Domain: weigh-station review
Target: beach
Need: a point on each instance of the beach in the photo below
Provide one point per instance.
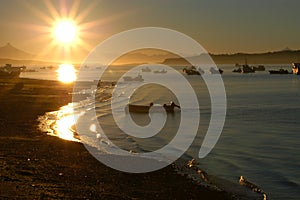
(34, 165)
(130, 100)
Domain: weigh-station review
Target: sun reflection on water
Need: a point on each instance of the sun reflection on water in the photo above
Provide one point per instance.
(66, 73)
(61, 123)
(64, 127)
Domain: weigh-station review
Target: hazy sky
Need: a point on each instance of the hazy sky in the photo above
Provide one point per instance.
(220, 26)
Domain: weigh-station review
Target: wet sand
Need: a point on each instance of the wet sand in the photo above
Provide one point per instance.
(34, 165)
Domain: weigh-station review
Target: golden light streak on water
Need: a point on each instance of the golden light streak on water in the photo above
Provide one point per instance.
(66, 73)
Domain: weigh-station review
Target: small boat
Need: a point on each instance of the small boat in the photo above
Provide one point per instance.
(238, 70)
(145, 109)
(160, 71)
(139, 108)
(50, 67)
(170, 107)
(280, 71)
(244, 69)
(146, 69)
(10, 72)
(215, 71)
(193, 70)
(138, 78)
(259, 68)
(29, 70)
(295, 68)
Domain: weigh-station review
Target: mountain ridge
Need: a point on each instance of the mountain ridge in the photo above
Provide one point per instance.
(275, 57)
(13, 55)
(10, 52)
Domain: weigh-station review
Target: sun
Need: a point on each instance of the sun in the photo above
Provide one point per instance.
(65, 31)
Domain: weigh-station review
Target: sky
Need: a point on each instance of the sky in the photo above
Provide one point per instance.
(228, 26)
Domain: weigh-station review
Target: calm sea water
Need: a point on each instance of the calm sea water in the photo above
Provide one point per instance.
(260, 139)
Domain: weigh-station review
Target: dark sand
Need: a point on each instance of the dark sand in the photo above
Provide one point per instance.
(34, 165)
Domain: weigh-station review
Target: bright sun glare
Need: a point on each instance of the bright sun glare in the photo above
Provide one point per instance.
(65, 31)
(66, 73)
(65, 28)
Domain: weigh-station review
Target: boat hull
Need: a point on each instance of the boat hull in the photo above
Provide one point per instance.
(282, 71)
(14, 74)
(10, 72)
(146, 109)
(139, 78)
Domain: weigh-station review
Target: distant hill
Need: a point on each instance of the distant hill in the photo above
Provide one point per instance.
(12, 55)
(14, 62)
(143, 56)
(10, 52)
(278, 57)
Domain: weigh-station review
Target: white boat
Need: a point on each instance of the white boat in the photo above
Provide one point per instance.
(160, 71)
(146, 69)
(137, 78)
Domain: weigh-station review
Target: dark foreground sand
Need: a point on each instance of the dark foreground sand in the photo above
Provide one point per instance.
(36, 166)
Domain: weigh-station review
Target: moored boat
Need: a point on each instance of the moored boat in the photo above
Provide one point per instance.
(10, 72)
(280, 71)
(238, 70)
(193, 70)
(259, 68)
(29, 70)
(145, 108)
(246, 69)
(137, 78)
(139, 108)
(146, 69)
(160, 71)
(215, 71)
(50, 67)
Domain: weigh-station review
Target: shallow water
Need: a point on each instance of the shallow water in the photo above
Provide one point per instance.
(260, 138)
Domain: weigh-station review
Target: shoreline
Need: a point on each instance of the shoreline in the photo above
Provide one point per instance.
(35, 165)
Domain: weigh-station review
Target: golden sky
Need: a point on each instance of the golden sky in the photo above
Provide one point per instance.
(219, 26)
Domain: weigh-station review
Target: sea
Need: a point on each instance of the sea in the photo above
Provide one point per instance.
(260, 139)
